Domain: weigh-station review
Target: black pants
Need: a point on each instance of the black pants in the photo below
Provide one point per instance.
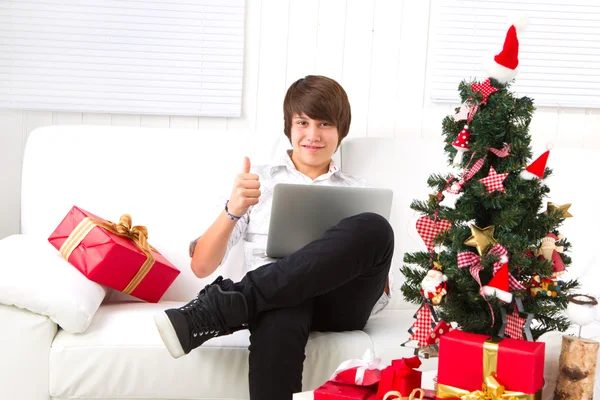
(331, 284)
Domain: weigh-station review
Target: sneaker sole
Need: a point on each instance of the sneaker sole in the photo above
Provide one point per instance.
(168, 335)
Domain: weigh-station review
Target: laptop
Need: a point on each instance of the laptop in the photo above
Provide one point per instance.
(302, 213)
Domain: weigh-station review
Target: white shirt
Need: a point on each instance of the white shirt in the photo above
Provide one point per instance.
(253, 226)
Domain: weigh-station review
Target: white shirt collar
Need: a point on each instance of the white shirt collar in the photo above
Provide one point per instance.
(285, 161)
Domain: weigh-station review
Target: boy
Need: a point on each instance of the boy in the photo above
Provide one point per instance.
(332, 284)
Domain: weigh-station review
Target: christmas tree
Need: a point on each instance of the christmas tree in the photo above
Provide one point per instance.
(493, 243)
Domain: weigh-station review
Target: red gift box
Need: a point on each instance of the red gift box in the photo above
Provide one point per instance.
(466, 360)
(338, 391)
(115, 255)
(401, 377)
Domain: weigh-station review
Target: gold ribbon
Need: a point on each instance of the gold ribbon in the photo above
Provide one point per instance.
(413, 395)
(138, 234)
(491, 388)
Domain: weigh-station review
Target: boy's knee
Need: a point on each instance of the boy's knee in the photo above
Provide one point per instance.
(376, 227)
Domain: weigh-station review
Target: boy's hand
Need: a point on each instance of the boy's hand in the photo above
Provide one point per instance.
(246, 191)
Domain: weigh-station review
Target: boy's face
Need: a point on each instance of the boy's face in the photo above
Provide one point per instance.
(314, 142)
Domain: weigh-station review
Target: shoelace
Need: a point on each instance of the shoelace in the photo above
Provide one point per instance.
(205, 317)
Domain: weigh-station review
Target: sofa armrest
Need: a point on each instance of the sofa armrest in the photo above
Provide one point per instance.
(25, 340)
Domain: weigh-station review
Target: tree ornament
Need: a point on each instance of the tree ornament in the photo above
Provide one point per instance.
(440, 329)
(485, 88)
(482, 239)
(450, 199)
(544, 287)
(503, 67)
(502, 253)
(550, 251)
(494, 181)
(421, 329)
(434, 197)
(428, 229)
(564, 209)
(581, 309)
(434, 286)
(461, 144)
(498, 285)
(517, 325)
(463, 113)
(536, 169)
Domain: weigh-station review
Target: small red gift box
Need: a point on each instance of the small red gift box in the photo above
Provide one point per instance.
(338, 391)
(401, 377)
(115, 255)
(467, 360)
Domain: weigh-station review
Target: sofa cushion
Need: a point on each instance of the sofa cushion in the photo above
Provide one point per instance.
(121, 356)
(34, 276)
(25, 339)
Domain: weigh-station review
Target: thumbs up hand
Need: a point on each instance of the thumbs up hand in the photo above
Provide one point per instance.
(246, 191)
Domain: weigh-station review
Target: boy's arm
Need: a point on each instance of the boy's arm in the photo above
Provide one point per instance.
(210, 250)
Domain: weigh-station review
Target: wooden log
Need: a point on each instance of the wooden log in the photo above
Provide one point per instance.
(577, 369)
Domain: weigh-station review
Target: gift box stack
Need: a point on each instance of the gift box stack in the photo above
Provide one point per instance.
(363, 379)
(116, 255)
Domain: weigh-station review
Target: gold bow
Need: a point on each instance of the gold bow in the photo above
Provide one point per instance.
(492, 389)
(138, 234)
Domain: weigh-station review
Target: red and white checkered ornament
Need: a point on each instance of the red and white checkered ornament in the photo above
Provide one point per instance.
(485, 88)
(518, 324)
(428, 229)
(494, 181)
(514, 325)
(422, 328)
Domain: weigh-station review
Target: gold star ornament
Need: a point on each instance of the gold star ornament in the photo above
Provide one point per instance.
(482, 239)
(564, 209)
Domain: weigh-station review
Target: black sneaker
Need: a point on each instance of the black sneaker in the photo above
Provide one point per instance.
(215, 312)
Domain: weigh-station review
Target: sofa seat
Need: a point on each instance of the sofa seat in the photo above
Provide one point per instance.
(121, 356)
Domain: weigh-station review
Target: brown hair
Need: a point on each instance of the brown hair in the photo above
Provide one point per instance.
(318, 97)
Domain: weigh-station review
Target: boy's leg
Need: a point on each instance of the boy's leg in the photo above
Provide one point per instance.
(349, 307)
(358, 248)
(277, 343)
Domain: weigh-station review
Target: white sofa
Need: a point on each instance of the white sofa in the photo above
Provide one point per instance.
(167, 180)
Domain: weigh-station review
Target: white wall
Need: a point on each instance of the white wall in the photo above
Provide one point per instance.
(377, 49)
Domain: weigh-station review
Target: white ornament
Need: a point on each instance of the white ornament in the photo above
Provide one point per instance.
(450, 199)
(581, 309)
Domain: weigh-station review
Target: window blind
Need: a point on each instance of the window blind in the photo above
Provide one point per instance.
(559, 51)
(180, 57)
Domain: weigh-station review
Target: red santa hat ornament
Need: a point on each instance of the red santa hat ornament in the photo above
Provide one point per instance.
(498, 286)
(503, 66)
(536, 169)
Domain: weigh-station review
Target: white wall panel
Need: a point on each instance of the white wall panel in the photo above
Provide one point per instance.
(331, 33)
(357, 61)
(302, 39)
(380, 50)
(385, 57)
(272, 67)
